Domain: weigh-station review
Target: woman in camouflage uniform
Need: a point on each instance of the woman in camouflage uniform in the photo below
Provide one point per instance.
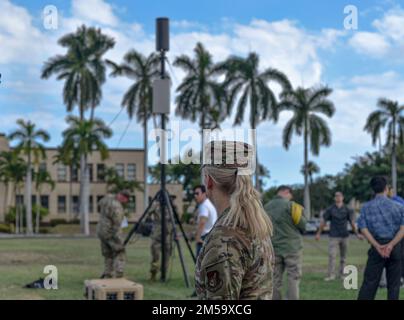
(237, 259)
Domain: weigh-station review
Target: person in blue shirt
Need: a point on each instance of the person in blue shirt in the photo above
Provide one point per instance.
(381, 221)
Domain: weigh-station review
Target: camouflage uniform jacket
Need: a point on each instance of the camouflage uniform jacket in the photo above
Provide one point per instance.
(111, 215)
(155, 215)
(232, 265)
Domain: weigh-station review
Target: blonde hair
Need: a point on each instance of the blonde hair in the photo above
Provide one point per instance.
(246, 210)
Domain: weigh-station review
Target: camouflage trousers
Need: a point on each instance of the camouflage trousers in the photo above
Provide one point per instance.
(114, 257)
(156, 253)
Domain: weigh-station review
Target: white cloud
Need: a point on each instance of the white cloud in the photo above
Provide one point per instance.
(20, 41)
(386, 41)
(357, 99)
(97, 11)
(370, 43)
(186, 24)
(391, 25)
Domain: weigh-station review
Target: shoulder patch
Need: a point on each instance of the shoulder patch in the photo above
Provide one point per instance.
(214, 280)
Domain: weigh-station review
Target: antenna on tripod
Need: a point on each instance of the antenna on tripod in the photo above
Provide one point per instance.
(161, 106)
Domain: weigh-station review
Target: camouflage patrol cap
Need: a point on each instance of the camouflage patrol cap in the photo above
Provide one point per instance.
(230, 155)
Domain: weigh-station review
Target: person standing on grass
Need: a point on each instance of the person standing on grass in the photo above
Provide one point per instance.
(381, 221)
(338, 215)
(289, 224)
(109, 233)
(207, 216)
(383, 280)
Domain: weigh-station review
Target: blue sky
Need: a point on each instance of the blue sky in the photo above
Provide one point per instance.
(305, 39)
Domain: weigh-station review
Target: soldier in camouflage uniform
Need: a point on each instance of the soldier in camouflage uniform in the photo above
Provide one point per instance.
(155, 248)
(236, 261)
(108, 231)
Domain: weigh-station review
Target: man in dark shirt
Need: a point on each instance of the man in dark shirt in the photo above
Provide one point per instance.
(382, 223)
(339, 215)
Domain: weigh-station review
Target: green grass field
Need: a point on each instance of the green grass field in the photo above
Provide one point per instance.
(22, 261)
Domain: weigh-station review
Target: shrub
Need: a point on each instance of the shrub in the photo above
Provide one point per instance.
(10, 215)
(5, 228)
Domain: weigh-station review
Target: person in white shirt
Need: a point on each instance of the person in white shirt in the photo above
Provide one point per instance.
(207, 216)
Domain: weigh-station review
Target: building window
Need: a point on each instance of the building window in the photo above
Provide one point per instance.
(19, 199)
(75, 204)
(90, 172)
(120, 169)
(62, 173)
(98, 203)
(90, 204)
(100, 172)
(33, 199)
(42, 167)
(132, 204)
(74, 174)
(131, 171)
(45, 202)
(61, 204)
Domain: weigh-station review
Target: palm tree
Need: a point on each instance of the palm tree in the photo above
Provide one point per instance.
(306, 104)
(85, 136)
(82, 68)
(389, 114)
(200, 97)
(69, 158)
(312, 169)
(246, 82)
(41, 177)
(138, 99)
(28, 137)
(12, 169)
(19, 170)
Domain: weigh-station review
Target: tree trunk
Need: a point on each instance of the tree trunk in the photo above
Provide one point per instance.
(203, 125)
(84, 219)
(307, 204)
(92, 113)
(257, 164)
(70, 200)
(28, 200)
(394, 167)
(6, 197)
(146, 166)
(84, 195)
(394, 159)
(380, 141)
(38, 212)
(17, 222)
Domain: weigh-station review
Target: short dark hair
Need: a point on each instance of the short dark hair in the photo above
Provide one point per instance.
(284, 188)
(202, 187)
(378, 184)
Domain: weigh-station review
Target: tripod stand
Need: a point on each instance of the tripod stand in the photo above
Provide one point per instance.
(163, 197)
